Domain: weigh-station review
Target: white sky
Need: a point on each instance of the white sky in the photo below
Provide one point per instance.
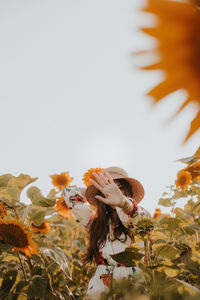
(72, 98)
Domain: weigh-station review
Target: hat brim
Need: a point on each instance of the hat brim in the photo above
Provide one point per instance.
(136, 186)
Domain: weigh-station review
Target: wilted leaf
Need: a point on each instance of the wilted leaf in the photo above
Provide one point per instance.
(10, 195)
(36, 197)
(37, 215)
(21, 181)
(165, 202)
(24, 212)
(4, 180)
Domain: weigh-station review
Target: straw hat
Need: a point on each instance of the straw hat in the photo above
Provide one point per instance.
(117, 173)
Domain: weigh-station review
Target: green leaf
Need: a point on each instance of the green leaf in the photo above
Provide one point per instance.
(127, 257)
(166, 251)
(8, 281)
(37, 286)
(58, 256)
(171, 224)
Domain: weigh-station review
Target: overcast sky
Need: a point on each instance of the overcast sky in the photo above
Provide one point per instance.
(73, 99)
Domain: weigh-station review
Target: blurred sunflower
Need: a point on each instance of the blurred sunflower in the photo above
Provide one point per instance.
(184, 179)
(16, 234)
(62, 208)
(88, 175)
(177, 34)
(158, 214)
(2, 210)
(43, 228)
(61, 180)
(194, 170)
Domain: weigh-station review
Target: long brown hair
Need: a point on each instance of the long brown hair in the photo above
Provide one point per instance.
(98, 227)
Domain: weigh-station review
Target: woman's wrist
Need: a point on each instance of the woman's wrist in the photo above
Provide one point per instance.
(127, 205)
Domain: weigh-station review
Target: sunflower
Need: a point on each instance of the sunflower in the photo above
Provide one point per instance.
(178, 46)
(16, 234)
(194, 170)
(61, 180)
(2, 210)
(158, 214)
(62, 208)
(88, 175)
(43, 228)
(184, 179)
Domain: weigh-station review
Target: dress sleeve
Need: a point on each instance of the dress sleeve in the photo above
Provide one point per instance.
(128, 220)
(78, 204)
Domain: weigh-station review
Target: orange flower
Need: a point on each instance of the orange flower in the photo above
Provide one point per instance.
(88, 175)
(16, 234)
(184, 179)
(194, 170)
(158, 214)
(63, 208)
(43, 228)
(61, 180)
(2, 210)
(178, 49)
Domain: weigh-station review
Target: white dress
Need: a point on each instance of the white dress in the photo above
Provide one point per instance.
(108, 270)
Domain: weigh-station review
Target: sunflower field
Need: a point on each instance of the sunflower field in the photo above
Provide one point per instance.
(41, 244)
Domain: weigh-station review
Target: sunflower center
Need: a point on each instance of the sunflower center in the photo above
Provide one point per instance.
(13, 235)
(62, 180)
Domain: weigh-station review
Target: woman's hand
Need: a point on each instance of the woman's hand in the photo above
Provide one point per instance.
(113, 195)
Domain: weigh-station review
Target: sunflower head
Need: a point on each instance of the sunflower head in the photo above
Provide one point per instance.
(184, 179)
(2, 210)
(62, 208)
(157, 213)
(61, 180)
(177, 32)
(88, 175)
(43, 228)
(17, 235)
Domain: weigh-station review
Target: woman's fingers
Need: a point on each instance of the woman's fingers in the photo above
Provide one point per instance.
(104, 200)
(98, 186)
(104, 179)
(99, 179)
(109, 177)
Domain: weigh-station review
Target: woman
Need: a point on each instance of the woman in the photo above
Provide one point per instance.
(115, 196)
